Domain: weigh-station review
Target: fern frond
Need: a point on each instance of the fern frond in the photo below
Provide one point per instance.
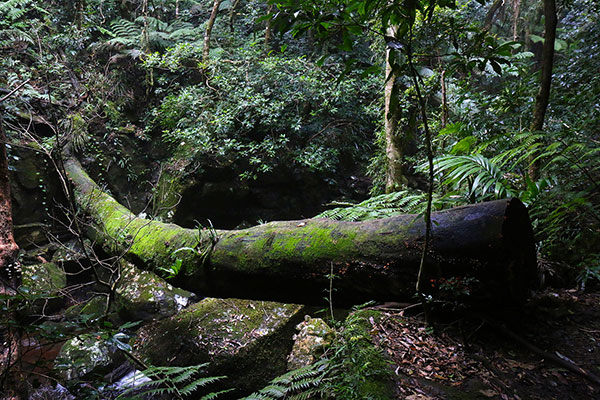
(181, 381)
(212, 396)
(382, 206)
(301, 383)
(124, 28)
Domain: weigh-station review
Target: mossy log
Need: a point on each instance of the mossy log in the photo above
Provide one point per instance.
(486, 249)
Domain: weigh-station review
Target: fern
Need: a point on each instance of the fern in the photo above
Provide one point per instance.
(127, 34)
(14, 9)
(301, 383)
(178, 382)
(382, 206)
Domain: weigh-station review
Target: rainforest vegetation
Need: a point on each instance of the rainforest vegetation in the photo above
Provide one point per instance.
(337, 199)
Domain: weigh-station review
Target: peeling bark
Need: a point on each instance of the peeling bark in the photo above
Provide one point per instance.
(290, 260)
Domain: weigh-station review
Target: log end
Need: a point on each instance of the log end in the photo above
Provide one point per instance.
(518, 240)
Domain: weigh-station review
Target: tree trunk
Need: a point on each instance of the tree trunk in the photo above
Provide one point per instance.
(209, 26)
(543, 96)
(8, 247)
(268, 31)
(232, 14)
(489, 16)
(291, 260)
(394, 177)
(445, 111)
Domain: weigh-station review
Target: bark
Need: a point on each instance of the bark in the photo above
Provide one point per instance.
(444, 100)
(547, 61)
(489, 17)
(8, 247)
(290, 260)
(516, 13)
(394, 177)
(268, 31)
(232, 14)
(209, 26)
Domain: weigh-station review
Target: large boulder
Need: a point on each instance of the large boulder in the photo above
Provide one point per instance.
(86, 354)
(245, 340)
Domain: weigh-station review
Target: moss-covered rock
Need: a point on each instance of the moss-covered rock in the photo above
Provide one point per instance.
(72, 251)
(309, 343)
(85, 354)
(245, 340)
(43, 279)
(142, 295)
(43, 284)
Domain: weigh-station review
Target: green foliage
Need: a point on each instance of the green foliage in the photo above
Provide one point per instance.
(590, 271)
(352, 368)
(129, 35)
(177, 382)
(262, 113)
(172, 271)
(382, 206)
(299, 384)
(359, 370)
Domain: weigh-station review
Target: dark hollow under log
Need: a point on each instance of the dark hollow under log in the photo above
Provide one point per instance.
(488, 247)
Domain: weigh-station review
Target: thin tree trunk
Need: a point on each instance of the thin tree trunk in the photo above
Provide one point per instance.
(444, 100)
(232, 14)
(290, 261)
(209, 26)
(145, 31)
(516, 14)
(489, 17)
(543, 96)
(9, 270)
(393, 142)
(268, 31)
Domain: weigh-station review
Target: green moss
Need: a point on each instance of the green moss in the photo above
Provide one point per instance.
(245, 340)
(142, 295)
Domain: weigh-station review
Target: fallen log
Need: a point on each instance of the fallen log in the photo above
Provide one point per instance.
(485, 249)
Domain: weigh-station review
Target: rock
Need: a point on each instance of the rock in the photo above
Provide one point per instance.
(309, 343)
(43, 279)
(245, 340)
(142, 295)
(85, 354)
(72, 251)
(87, 311)
(43, 283)
(47, 392)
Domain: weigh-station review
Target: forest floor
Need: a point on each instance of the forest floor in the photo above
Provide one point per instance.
(487, 357)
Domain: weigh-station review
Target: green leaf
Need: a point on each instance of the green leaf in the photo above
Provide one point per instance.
(464, 145)
(536, 38)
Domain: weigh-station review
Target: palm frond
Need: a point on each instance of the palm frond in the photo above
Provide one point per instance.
(479, 175)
